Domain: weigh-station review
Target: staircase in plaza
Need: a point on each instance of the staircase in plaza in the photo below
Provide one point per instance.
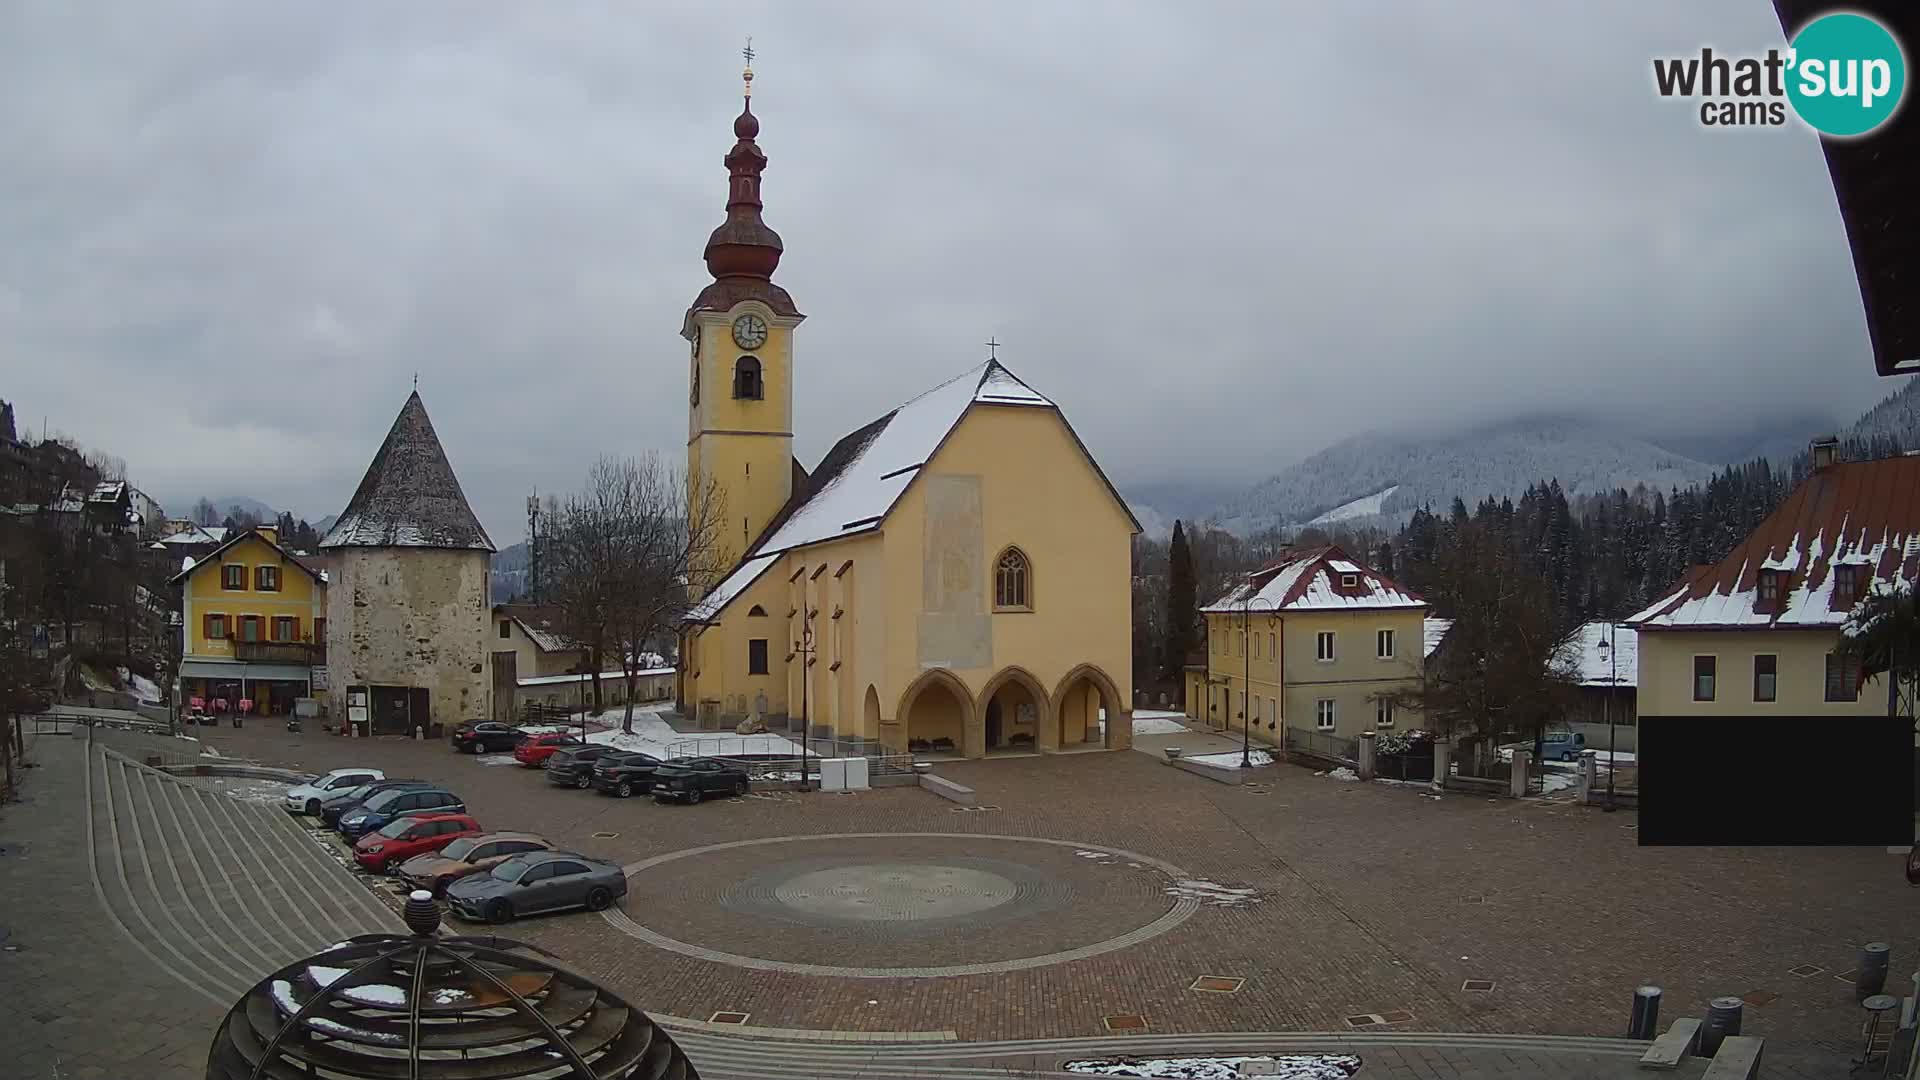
(218, 891)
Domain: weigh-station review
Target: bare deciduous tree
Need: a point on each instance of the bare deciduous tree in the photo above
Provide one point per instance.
(619, 556)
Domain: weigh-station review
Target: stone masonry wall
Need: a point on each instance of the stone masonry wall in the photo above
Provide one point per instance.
(410, 617)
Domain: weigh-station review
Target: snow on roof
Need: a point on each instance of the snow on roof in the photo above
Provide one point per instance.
(1305, 580)
(865, 472)
(409, 496)
(1850, 513)
(731, 586)
(1594, 649)
(1436, 632)
(197, 534)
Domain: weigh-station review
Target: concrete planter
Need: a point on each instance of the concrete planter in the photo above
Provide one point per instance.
(1172, 752)
(923, 767)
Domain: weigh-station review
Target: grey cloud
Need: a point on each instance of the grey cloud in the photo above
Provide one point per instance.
(1222, 237)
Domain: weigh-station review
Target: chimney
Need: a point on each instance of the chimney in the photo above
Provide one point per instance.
(1826, 450)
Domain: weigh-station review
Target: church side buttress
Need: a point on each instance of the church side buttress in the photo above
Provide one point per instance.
(740, 337)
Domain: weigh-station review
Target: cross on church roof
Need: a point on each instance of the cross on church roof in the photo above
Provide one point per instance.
(993, 349)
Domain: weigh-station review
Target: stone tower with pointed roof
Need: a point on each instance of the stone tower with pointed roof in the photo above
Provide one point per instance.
(407, 600)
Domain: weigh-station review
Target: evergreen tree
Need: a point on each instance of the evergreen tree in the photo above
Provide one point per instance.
(1182, 621)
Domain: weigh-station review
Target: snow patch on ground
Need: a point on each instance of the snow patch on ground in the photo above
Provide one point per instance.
(1341, 773)
(1156, 722)
(1212, 893)
(1286, 1067)
(1231, 759)
(653, 735)
(145, 690)
(495, 759)
(250, 790)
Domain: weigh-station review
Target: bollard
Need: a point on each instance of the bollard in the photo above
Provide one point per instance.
(1723, 1019)
(1644, 1023)
(1366, 761)
(1870, 977)
(419, 733)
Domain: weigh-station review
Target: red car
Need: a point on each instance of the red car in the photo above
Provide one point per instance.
(404, 837)
(534, 750)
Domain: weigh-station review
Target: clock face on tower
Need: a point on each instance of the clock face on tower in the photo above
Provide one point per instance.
(749, 331)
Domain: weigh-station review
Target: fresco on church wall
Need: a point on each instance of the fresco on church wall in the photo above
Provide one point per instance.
(955, 628)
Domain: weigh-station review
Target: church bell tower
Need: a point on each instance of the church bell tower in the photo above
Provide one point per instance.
(740, 334)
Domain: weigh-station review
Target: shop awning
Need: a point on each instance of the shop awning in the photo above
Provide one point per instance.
(234, 671)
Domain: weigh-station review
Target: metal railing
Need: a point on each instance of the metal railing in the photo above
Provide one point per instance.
(1323, 744)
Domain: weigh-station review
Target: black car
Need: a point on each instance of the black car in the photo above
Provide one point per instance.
(693, 779)
(573, 767)
(484, 736)
(624, 773)
(331, 810)
(384, 806)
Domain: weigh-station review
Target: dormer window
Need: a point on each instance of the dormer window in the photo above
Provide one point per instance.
(1349, 581)
(746, 379)
(1846, 586)
(1772, 587)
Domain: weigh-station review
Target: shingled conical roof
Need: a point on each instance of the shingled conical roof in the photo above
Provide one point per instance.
(409, 497)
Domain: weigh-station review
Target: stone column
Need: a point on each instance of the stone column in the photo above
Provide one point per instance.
(1442, 761)
(1366, 755)
(1589, 774)
(1521, 760)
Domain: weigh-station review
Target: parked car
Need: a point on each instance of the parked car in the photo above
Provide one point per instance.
(536, 882)
(398, 802)
(404, 837)
(534, 750)
(624, 773)
(1562, 746)
(574, 767)
(306, 798)
(466, 855)
(332, 809)
(692, 779)
(484, 737)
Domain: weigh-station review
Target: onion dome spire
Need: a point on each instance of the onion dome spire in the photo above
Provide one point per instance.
(743, 245)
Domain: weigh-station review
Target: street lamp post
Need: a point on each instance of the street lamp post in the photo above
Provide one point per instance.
(804, 650)
(1613, 690)
(1246, 665)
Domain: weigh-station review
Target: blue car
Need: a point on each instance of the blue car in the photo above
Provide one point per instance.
(398, 802)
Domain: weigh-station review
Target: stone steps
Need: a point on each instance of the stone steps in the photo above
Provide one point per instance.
(218, 891)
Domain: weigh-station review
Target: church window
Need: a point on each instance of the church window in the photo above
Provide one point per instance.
(1012, 581)
(757, 656)
(756, 611)
(746, 378)
(506, 629)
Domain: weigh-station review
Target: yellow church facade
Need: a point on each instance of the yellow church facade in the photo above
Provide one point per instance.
(952, 578)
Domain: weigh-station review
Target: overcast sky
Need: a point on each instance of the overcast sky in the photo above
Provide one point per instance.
(1222, 236)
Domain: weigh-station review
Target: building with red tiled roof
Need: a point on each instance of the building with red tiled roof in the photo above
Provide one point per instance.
(1316, 642)
(1758, 631)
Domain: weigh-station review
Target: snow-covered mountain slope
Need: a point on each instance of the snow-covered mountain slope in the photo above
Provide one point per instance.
(1381, 479)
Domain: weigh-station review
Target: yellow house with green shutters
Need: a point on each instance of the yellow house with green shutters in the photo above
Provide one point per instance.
(952, 578)
(252, 625)
(1316, 643)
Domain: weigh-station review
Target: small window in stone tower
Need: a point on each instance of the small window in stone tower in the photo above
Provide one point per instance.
(746, 378)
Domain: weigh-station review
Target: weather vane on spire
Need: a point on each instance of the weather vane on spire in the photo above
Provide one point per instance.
(748, 73)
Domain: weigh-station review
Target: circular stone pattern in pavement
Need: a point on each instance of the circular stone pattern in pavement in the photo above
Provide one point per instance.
(894, 891)
(899, 905)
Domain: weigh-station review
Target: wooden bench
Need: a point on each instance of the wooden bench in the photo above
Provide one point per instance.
(1668, 1050)
(1737, 1059)
(947, 789)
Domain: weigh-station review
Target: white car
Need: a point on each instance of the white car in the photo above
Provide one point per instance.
(307, 797)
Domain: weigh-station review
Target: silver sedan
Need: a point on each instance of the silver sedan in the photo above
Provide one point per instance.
(536, 882)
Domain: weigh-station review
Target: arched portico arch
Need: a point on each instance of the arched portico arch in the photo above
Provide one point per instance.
(1011, 704)
(870, 714)
(936, 710)
(1077, 702)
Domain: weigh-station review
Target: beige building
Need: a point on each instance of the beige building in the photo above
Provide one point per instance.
(1757, 632)
(952, 577)
(407, 605)
(1316, 642)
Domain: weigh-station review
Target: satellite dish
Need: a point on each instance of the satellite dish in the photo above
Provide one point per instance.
(186, 563)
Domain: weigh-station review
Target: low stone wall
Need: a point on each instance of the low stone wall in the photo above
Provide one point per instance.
(1212, 772)
(947, 789)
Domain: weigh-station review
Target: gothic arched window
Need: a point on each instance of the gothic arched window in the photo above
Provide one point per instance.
(1013, 581)
(756, 611)
(746, 378)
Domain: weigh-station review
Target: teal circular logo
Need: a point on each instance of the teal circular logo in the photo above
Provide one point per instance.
(1847, 74)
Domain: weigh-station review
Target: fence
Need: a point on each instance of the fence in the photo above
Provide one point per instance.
(1324, 745)
(1416, 764)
